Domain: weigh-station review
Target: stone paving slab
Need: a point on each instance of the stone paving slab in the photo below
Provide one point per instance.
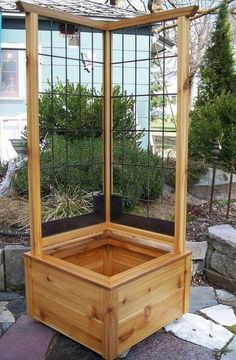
(222, 314)
(25, 340)
(230, 353)
(200, 331)
(6, 317)
(201, 297)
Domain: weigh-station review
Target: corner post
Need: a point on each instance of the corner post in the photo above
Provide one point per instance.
(182, 134)
(107, 122)
(33, 133)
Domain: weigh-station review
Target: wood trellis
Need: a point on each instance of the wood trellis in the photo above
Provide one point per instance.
(107, 279)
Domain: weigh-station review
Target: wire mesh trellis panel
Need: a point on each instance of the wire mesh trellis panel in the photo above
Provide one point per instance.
(71, 126)
(144, 70)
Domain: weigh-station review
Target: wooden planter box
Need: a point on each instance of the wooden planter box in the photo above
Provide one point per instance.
(108, 291)
(107, 279)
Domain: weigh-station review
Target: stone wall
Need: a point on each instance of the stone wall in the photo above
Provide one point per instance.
(221, 257)
(12, 267)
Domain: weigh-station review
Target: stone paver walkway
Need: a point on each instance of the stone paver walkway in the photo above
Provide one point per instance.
(26, 339)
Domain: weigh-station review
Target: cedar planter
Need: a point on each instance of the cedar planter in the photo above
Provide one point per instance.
(107, 279)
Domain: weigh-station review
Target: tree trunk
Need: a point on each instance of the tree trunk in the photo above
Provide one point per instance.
(6, 184)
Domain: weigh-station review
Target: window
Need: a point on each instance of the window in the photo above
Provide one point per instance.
(12, 72)
(9, 74)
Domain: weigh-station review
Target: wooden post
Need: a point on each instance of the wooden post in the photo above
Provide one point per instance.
(107, 122)
(182, 134)
(33, 133)
(110, 324)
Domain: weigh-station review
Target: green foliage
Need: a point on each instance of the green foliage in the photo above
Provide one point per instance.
(212, 122)
(213, 118)
(217, 70)
(89, 175)
(75, 111)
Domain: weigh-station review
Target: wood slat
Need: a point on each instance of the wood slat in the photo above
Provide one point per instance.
(145, 234)
(182, 134)
(78, 247)
(107, 121)
(150, 288)
(68, 321)
(154, 18)
(118, 267)
(150, 319)
(61, 15)
(129, 258)
(28, 285)
(109, 345)
(33, 133)
(70, 237)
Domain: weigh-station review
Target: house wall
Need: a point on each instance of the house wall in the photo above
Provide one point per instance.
(13, 37)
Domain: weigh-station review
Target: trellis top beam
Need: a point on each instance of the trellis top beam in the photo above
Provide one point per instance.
(188, 11)
(173, 14)
(61, 15)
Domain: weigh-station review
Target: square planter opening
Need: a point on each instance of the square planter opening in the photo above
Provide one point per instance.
(107, 130)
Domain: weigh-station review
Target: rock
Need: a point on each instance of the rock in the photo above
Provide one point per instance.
(198, 249)
(223, 239)
(230, 351)
(2, 278)
(201, 297)
(202, 189)
(209, 253)
(224, 295)
(221, 314)
(220, 280)
(223, 265)
(123, 354)
(194, 201)
(14, 266)
(6, 317)
(198, 267)
(196, 329)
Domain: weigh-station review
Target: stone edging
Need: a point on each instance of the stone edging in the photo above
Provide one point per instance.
(12, 267)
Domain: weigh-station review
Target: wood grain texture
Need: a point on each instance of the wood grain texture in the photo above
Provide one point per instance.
(70, 322)
(148, 320)
(62, 16)
(110, 325)
(28, 285)
(154, 18)
(187, 282)
(33, 133)
(182, 134)
(150, 288)
(107, 121)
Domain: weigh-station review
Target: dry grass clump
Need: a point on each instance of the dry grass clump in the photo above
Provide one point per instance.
(11, 209)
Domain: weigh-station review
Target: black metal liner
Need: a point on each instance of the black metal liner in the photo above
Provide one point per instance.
(145, 223)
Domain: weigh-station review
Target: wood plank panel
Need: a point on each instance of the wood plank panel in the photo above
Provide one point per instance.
(145, 234)
(154, 316)
(129, 258)
(33, 133)
(117, 267)
(182, 134)
(71, 291)
(68, 321)
(77, 248)
(150, 288)
(60, 15)
(153, 252)
(69, 237)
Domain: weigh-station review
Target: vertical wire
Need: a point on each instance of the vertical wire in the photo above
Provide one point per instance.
(122, 124)
(52, 107)
(92, 92)
(79, 113)
(149, 110)
(135, 76)
(163, 113)
(66, 127)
